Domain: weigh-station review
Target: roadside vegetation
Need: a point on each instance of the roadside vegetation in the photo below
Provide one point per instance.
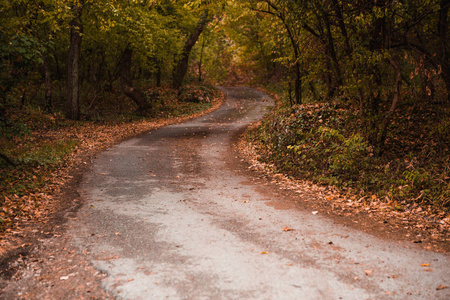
(42, 148)
(324, 143)
(363, 96)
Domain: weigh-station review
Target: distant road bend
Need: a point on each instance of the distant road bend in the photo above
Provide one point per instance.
(179, 218)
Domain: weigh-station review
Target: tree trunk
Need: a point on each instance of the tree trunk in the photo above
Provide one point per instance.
(442, 32)
(48, 84)
(127, 82)
(298, 74)
(183, 63)
(332, 51)
(158, 74)
(394, 104)
(200, 63)
(72, 91)
(342, 27)
(298, 84)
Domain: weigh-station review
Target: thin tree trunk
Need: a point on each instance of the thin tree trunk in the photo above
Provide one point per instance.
(297, 68)
(442, 32)
(72, 90)
(48, 84)
(332, 51)
(340, 18)
(158, 75)
(394, 104)
(183, 63)
(200, 63)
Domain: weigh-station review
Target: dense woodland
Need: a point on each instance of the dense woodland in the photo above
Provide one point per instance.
(363, 86)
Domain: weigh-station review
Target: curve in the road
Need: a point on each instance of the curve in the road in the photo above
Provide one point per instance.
(168, 217)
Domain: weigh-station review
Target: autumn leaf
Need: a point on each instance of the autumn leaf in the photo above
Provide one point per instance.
(287, 229)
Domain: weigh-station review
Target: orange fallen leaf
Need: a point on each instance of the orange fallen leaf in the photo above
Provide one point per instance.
(287, 229)
(441, 287)
(264, 252)
(368, 272)
(425, 265)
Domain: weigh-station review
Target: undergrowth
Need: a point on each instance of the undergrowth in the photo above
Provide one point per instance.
(324, 144)
(37, 143)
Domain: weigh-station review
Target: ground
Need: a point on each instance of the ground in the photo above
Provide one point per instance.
(44, 258)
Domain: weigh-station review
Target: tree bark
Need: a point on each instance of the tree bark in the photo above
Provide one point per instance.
(183, 63)
(48, 84)
(72, 90)
(200, 63)
(297, 67)
(444, 41)
(394, 104)
(127, 82)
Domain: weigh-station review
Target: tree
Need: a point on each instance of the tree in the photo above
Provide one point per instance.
(182, 65)
(73, 62)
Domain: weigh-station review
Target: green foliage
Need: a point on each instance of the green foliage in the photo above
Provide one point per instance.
(321, 143)
(48, 154)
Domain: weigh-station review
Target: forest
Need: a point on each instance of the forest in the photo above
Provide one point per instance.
(362, 88)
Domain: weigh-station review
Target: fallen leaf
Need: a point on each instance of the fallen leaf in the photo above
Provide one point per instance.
(425, 265)
(287, 229)
(368, 272)
(441, 287)
(264, 252)
(315, 212)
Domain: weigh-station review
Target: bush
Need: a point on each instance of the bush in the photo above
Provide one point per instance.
(324, 144)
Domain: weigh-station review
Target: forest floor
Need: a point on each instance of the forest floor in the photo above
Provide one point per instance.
(56, 260)
(44, 210)
(374, 217)
(418, 222)
(39, 197)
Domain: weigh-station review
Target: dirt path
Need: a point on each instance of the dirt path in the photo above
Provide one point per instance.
(174, 214)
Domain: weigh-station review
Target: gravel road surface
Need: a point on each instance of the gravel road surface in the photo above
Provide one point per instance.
(171, 214)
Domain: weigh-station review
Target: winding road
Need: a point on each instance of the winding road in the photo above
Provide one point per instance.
(172, 214)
